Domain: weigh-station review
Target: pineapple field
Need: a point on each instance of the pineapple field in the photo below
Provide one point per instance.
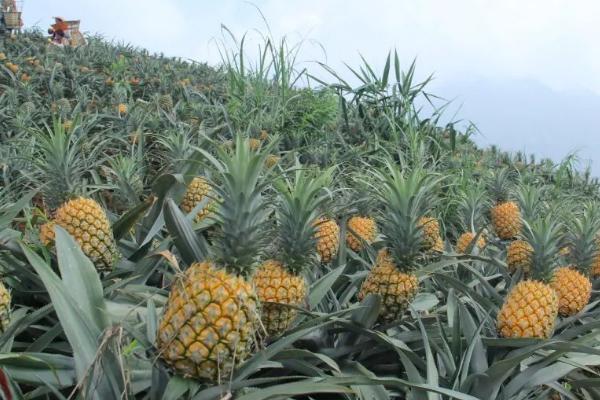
(172, 230)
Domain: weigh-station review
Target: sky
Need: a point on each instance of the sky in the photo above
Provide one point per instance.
(527, 73)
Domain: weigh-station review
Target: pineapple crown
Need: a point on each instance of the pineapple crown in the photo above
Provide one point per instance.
(242, 211)
(544, 236)
(299, 204)
(471, 203)
(406, 197)
(500, 185)
(582, 236)
(530, 199)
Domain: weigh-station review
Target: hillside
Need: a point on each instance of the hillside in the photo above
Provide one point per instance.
(173, 230)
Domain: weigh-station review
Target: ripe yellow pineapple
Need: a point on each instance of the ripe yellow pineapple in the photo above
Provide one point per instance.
(197, 191)
(211, 319)
(271, 160)
(47, 233)
(122, 108)
(466, 239)
(254, 144)
(86, 221)
(573, 289)
(2, 56)
(277, 287)
(519, 256)
(505, 214)
(572, 283)
(360, 230)
(529, 311)
(531, 307)
(407, 198)
(279, 281)
(4, 308)
(396, 288)
(209, 322)
(328, 238)
(430, 228)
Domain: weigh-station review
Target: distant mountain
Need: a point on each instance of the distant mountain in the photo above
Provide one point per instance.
(526, 115)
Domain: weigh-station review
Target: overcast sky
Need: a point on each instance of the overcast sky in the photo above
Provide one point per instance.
(526, 72)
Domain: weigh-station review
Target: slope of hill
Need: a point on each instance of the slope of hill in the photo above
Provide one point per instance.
(171, 230)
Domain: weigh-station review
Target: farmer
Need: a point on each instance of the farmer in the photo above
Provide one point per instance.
(59, 31)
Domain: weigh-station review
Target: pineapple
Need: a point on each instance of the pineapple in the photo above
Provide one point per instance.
(406, 199)
(361, 229)
(254, 144)
(122, 108)
(4, 308)
(519, 256)
(467, 239)
(276, 288)
(271, 160)
(86, 221)
(396, 288)
(505, 214)
(198, 191)
(328, 238)
(165, 102)
(595, 269)
(572, 283)
(279, 282)
(531, 307)
(573, 288)
(430, 228)
(212, 316)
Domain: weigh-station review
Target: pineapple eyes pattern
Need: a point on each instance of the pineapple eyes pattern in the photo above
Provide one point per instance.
(209, 321)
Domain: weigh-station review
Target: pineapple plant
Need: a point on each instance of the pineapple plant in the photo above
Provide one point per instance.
(212, 317)
(406, 199)
(4, 308)
(279, 281)
(505, 214)
(471, 203)
(327, 236)
(198, 192)
(531, 306)
(87, 222)
(572, 282)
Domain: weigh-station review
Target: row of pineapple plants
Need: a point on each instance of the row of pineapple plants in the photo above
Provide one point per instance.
(418, 236)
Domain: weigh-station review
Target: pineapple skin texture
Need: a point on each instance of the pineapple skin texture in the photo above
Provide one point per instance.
(47, 233)
(196, 191)
(360, 229)
(518, 256)
(529, 311)
(4, 308)
(209, 323)
(275, 284)
(573, 289)
(86, 221)
(396, 289)
(432, 239)
(506, 219)
(465, 240)
(328, 239)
